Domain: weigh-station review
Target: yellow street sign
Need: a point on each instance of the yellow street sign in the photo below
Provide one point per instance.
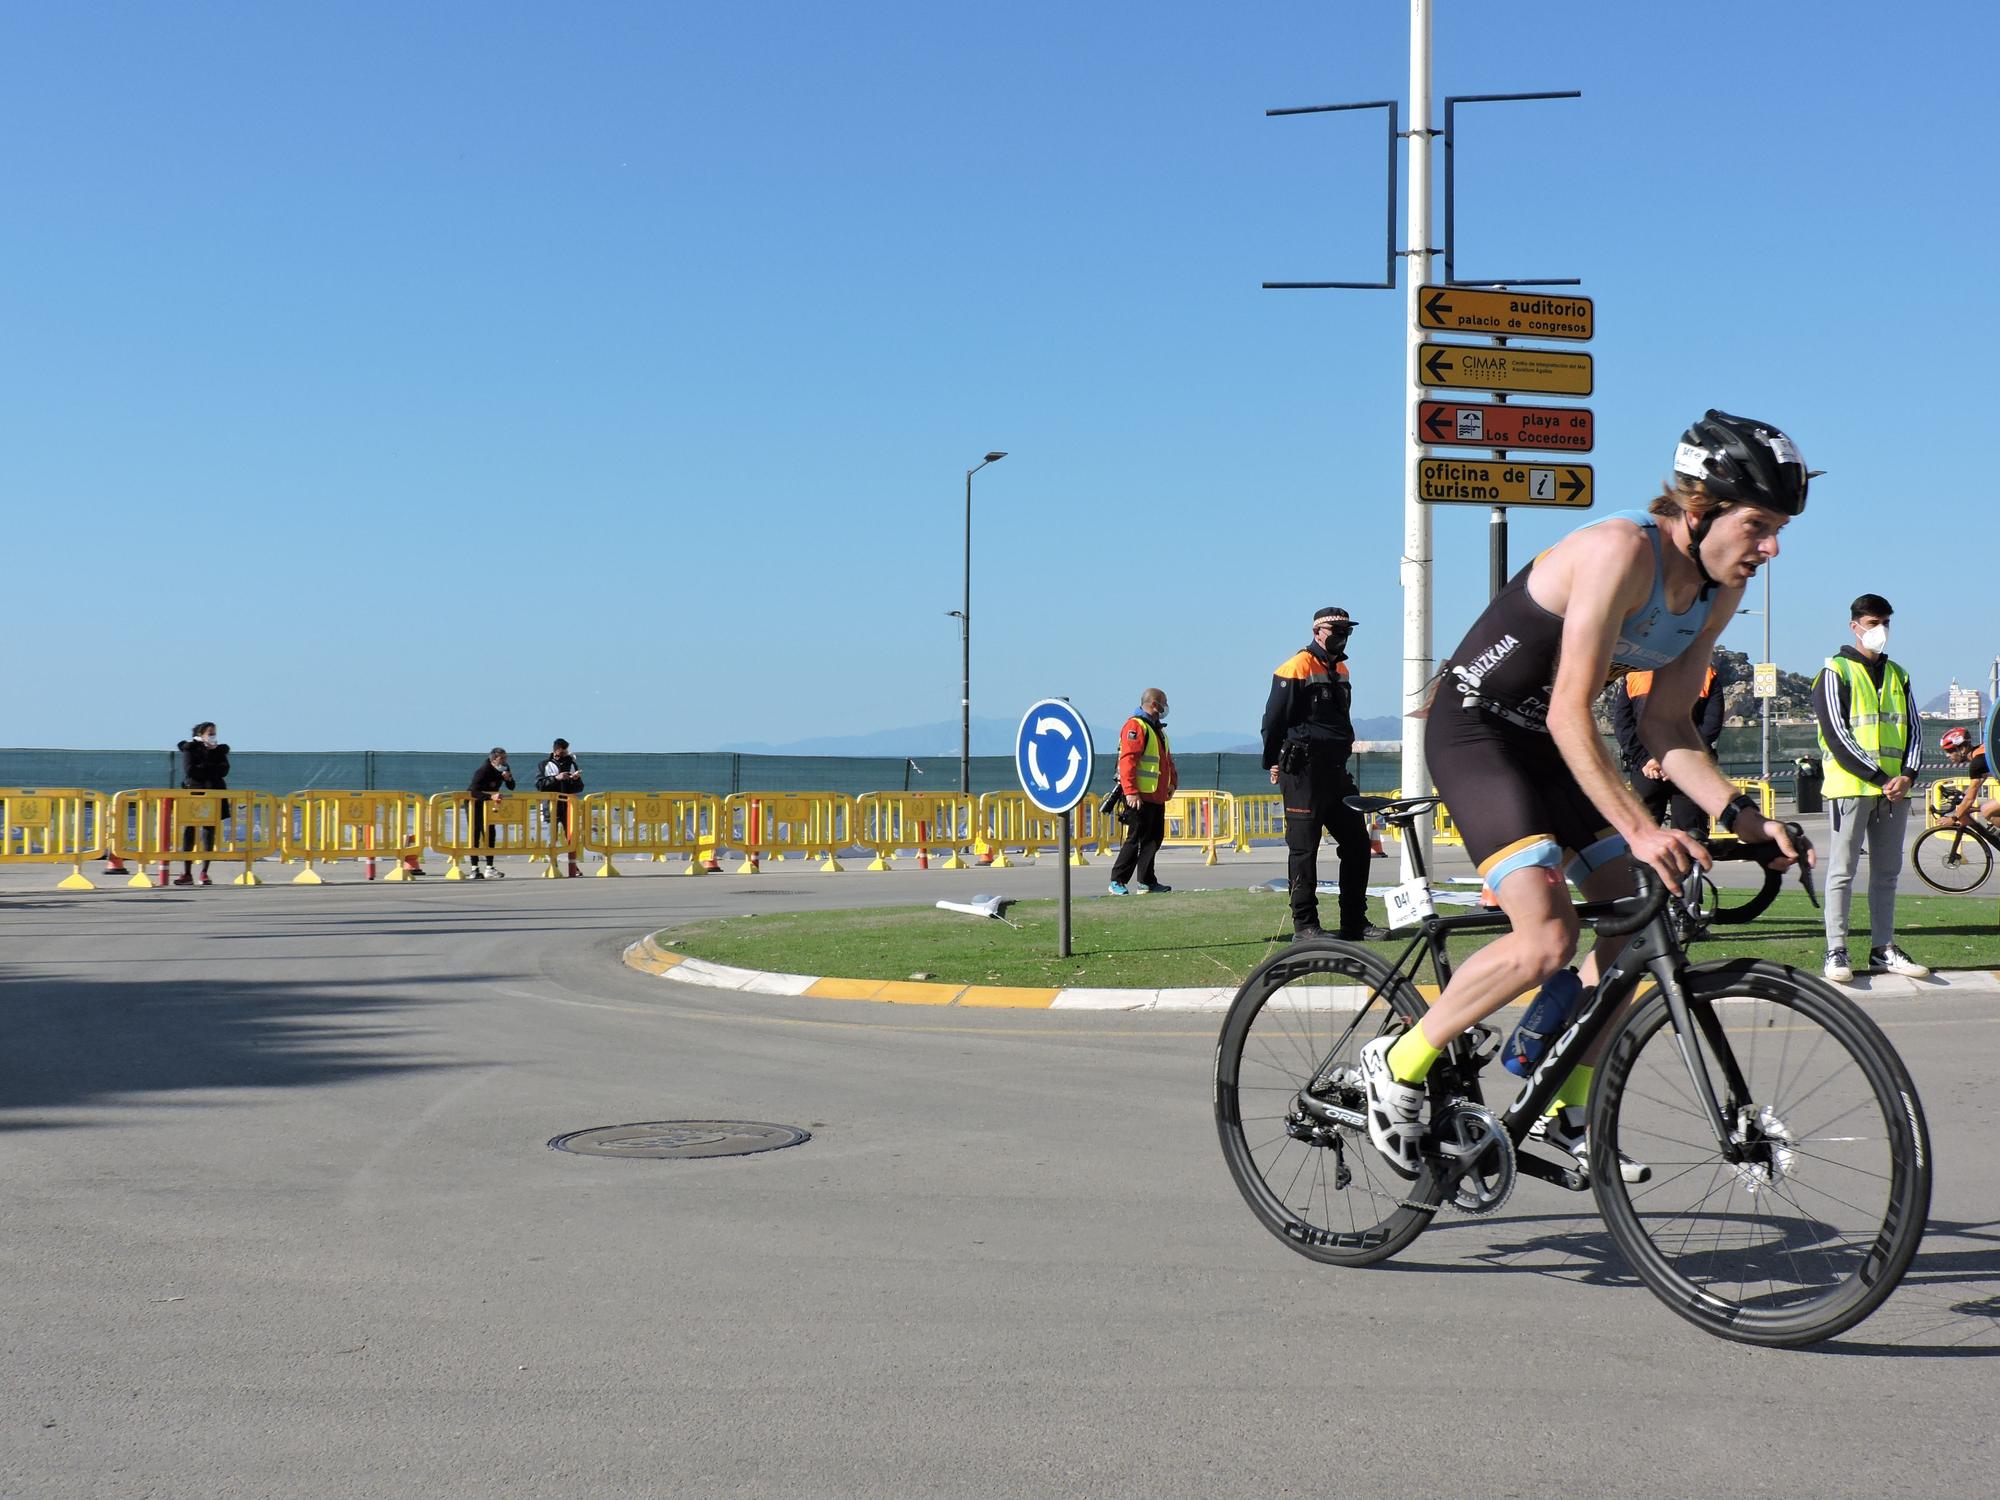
(1466, 481)
(1523, 315)
(1765, 677)
(1469, 366)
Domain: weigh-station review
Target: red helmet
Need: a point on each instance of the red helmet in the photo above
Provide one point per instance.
(1955, 739)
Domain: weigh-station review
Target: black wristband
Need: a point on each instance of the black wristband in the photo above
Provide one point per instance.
(1740, 804)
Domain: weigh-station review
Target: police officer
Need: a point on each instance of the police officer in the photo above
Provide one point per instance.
(1308, 735)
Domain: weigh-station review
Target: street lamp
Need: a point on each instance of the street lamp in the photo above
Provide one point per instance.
(965, 639)
(1764, 731)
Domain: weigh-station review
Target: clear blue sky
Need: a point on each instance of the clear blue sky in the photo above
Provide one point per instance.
(439, 375)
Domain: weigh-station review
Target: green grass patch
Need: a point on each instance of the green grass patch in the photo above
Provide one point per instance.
(1209, 938)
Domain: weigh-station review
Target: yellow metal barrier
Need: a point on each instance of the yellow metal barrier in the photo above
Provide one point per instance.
(1944, 796)
(686, 825)
(1767, 799)
(1259, 816)
(770, 825)
(1201, 819)
(1008, 820)
(321, 826)
(1443, 829)
(53, 826)
(520, 823)
(921, 821)
(1090, 829)
(169, 823)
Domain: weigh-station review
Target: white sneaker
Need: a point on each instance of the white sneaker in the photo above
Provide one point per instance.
(1893, 960)
(1564, 1130)
(1837, 970)
(1393, 1109)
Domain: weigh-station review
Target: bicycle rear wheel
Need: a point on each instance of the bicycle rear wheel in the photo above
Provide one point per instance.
(1806, 1235)
(1286, 1073)
(1951, 860)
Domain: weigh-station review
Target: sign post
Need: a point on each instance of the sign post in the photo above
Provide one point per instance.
(1053, 758)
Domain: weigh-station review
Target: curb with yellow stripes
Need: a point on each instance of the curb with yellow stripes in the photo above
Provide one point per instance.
(649, 957)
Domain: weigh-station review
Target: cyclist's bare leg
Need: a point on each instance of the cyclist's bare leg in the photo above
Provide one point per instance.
(1543, 939)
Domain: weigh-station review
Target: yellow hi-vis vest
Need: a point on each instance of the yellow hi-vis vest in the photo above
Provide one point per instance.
(1147, 778)
(1880, 724)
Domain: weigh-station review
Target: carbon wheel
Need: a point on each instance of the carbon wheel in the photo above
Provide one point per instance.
(1812, 1228)
(1952, 860)
(1290, 1108)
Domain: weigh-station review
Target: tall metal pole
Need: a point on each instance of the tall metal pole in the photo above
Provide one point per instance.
(965, 638)
(965, 655)
(1416, 516)
(1765, 736)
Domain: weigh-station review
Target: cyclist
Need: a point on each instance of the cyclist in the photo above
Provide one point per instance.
(1960, 751)
(1516, 754)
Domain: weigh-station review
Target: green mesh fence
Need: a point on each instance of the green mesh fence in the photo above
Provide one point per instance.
(429, 771)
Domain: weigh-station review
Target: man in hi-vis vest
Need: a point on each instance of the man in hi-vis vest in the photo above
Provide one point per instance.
(1147, 777)
(1871, 748)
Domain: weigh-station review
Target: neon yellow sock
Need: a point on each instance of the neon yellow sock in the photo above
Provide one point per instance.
(1575, 1090)
(1411, 1058)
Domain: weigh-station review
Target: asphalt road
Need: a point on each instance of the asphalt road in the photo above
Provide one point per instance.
(282, 1220)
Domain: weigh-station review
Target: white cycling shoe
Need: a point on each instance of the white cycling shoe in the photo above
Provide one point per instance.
(1564, 1130)
(1393, 1109)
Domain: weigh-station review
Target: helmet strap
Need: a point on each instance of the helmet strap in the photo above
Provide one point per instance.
(1696, 531)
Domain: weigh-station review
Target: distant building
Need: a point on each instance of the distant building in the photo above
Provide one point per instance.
(1963, 703)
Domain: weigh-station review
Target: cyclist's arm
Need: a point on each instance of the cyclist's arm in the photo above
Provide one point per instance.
(1969, 801)
(1668, 725)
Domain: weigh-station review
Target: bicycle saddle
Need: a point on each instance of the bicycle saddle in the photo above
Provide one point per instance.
(1395, 809)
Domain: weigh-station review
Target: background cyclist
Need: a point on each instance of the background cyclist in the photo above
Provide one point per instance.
(1516, 754)
(1960, 751)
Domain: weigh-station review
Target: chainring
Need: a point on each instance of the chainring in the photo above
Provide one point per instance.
(1478, 1157)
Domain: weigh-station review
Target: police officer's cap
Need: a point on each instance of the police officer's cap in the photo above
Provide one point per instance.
(1334, 613)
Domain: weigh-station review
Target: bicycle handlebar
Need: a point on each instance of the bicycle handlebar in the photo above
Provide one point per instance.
(1629, 913)
(1764, 853)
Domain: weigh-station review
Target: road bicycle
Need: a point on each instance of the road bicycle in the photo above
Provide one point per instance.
(1789, 1161)
(1955, 857)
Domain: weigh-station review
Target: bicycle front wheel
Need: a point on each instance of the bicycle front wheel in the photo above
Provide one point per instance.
(1951, 860)
(1291, 1110)
(1808, 1232)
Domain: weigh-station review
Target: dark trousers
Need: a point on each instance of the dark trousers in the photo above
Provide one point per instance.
(1313, 802)
(1670, 806)
(481, 833)
(1143, 837)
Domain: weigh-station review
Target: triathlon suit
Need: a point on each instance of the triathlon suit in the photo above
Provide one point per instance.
(1487, 737)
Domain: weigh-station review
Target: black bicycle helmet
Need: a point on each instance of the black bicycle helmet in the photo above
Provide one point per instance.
(1739, 459)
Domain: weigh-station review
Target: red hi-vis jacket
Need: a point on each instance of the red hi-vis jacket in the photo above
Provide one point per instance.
(1145, 764)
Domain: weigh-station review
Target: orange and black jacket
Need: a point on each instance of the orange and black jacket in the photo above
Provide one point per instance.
(1310, 700)
(1132, 749)
(1628, 706)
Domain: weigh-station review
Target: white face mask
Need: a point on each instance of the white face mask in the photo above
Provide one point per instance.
(1875, 638)
(208, 740)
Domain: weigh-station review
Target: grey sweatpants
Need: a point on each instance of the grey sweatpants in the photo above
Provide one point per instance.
(1881, 823)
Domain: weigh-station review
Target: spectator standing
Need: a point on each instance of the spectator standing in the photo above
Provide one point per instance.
(1147, 777)
(204, 767)
(1308, 736)
(486, 788)
(1871, 748)
(560, 773)
(1670, 807)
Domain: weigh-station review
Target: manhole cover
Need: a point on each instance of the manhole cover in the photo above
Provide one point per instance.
(680, 1140)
